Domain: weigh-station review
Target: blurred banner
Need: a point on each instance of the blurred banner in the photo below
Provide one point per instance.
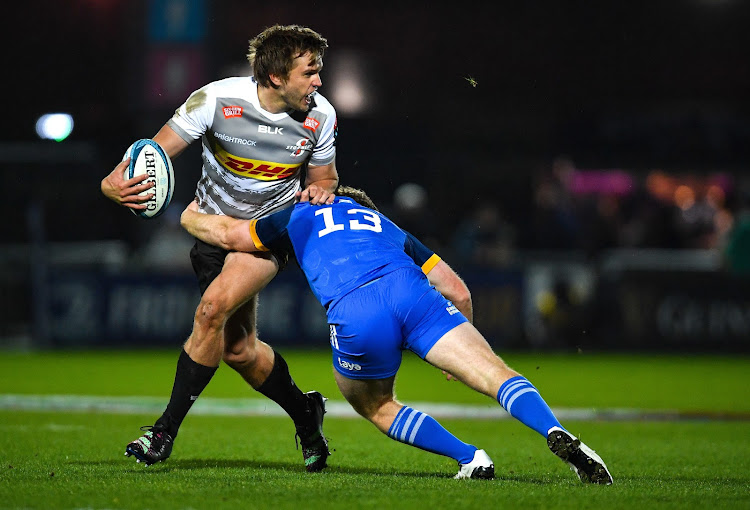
(683, 310)
(545, 306)
(84, 308)
(99, 308)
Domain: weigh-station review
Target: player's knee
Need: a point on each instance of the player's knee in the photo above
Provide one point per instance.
(491, 375)
(211, 312)
(370, 408)
(500, 365)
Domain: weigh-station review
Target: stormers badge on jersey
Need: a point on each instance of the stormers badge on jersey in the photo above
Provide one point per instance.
(298, 149)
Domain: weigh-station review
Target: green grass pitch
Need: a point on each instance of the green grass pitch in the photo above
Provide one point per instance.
(74, 459)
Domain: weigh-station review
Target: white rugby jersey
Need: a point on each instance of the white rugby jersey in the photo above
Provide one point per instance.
(252, 159)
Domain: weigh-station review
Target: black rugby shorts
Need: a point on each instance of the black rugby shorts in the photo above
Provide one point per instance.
(208, 260)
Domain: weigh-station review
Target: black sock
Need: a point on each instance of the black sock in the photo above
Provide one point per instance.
(280, 387)
(189, 381)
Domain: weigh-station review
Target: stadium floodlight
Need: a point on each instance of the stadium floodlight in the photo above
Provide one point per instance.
(54, 126)
(350, 79)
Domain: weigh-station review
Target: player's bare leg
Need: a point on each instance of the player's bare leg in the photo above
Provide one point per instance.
(465, 354)
(251, 358)
(242, 278)
(267, 372)
(374, 400)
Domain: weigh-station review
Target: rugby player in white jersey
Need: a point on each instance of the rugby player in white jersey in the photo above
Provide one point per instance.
(263, 138)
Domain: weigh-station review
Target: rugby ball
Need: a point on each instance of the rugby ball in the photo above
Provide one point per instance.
(148, 159)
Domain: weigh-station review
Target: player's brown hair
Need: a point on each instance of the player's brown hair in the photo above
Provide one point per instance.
(273, 50)
(357, 195)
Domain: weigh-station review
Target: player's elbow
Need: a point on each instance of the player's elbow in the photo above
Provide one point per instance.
(461, 297)
(225, 238)
(183, 220)
(190, 224)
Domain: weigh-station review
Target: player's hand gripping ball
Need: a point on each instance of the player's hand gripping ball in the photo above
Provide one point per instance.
(148, 159)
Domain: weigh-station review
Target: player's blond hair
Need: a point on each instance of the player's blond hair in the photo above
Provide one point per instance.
(273, 51)
(357, 195)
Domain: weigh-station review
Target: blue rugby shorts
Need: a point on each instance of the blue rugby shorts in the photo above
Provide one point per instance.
(371, 325)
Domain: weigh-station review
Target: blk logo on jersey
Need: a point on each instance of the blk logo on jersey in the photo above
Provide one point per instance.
(270, 130)
(232, 111)
(311, 124)
(299, 148)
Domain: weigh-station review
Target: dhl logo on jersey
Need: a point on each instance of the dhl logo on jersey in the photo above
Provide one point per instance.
(261, 170)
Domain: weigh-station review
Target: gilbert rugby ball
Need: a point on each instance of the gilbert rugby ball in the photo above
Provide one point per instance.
(147, 158)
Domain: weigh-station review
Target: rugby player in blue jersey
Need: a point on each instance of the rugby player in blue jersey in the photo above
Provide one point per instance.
(385, 292)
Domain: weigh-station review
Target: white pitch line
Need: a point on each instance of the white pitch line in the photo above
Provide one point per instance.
(256, 407)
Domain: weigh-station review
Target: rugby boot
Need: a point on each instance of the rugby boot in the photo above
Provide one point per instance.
(153, 446)
(314, 443)
(480, 467)
(582, 460)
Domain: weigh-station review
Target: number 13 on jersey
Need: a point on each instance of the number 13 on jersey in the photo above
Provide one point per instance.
(369, 221)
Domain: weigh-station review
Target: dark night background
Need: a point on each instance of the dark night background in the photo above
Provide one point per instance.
(520, 122)
(618, 84)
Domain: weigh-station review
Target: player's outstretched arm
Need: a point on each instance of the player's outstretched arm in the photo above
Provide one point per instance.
(125, 192)
(218, 230)
(450, 285)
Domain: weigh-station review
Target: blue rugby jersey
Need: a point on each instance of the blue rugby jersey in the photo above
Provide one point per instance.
(341, 246)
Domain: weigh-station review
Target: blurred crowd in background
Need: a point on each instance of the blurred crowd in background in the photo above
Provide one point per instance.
(590, 211)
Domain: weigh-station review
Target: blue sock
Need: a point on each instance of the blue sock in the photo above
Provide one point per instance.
(524, 403)
(421, 430)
